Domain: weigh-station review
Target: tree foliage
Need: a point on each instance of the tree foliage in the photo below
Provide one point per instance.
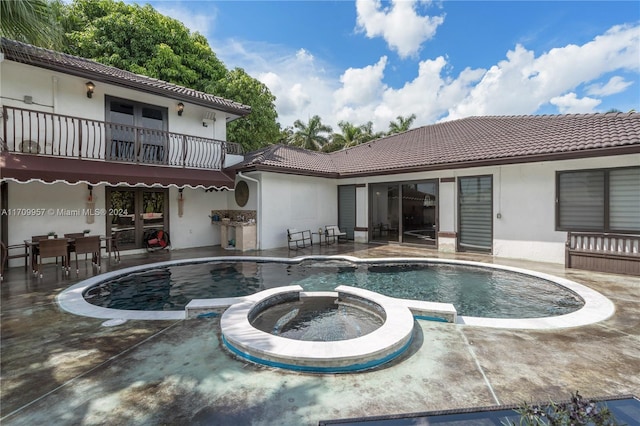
(401, 124)
(351, 135)
(259, 128)
(141, 40)
(312, 135)
(31, 21)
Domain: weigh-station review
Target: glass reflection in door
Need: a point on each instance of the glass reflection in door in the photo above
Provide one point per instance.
(152, 212)
(385, 212)
(122, 217)
(419, 213)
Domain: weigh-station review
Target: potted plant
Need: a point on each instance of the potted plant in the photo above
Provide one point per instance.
(51, 235)
(86, 231)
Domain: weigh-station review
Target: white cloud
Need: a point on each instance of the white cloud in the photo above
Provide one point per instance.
(301, 83)
(570, 104)
(289, 99)
(522, 83)
(400, 25)
(615, 85)
(361, 86)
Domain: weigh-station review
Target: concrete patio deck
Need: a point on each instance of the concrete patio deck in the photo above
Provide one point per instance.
(58, 368)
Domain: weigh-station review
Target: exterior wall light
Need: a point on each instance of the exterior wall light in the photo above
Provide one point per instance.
(90, 87)
(180, 108)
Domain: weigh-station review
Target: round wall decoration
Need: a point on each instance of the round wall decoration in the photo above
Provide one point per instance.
(242, 193)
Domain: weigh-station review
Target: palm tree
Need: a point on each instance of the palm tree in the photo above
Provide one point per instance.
(368, 134)
(351, 135)
(31, 21)
(401, 125)
(309, 136)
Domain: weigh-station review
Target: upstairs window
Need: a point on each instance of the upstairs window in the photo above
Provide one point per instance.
(602, 200)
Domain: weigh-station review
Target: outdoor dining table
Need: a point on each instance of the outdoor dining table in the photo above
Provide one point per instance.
(30, 245)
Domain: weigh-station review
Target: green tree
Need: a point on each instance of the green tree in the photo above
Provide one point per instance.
(401, 124)
(351, 135)
(141, 40)
(31, 21)
(312, 135)
(259, 128)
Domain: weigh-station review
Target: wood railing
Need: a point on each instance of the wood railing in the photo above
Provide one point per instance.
(36, 132)
(604, 252)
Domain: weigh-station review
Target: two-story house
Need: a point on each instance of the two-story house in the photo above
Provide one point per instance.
(88, 146)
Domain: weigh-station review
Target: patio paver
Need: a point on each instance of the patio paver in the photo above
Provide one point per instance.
(66, 369)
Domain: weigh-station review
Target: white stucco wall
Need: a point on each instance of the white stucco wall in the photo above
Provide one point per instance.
(523, 196)
(298, 202)
(194, 228)
(59, 208)
(64, 94)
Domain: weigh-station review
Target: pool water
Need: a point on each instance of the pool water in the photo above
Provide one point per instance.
(474, 291)
(317, 319)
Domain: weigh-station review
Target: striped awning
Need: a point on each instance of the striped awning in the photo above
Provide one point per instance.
(26, 168)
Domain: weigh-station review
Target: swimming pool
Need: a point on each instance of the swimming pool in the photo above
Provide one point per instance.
(596, 307)
(473, 290)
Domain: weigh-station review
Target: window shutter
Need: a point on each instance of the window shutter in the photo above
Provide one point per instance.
(581, 199)
(476, 221)
(624, 199)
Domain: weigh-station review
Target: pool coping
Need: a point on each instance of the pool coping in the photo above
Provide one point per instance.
(596, 306)
(382, 345)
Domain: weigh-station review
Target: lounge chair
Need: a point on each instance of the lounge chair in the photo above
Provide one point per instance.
(299, 239)
(332, 232)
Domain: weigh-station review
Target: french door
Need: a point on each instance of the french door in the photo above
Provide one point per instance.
(136, 212)
(137, 132)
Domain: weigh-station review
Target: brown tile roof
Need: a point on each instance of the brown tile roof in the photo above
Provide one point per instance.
(283, 158)
(467, 142)
(81, 67)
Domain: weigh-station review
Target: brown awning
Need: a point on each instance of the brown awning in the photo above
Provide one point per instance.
(29, 168)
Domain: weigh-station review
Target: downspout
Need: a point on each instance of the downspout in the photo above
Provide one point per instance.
(258, 209)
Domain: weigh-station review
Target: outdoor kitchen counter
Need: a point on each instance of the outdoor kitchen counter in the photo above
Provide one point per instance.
(242, 233)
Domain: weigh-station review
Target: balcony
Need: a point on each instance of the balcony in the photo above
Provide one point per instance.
(36, 132)
(46, 146)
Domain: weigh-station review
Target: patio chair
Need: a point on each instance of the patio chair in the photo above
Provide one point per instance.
(35, 250)
(334, 233)
(54, 247)
(72, 246)
(88, 245)
(299, 239)
(111, 246)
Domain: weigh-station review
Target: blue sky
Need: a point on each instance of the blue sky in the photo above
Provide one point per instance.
(368, 60)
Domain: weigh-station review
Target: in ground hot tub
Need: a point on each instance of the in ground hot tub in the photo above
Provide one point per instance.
(327, 338)
(318, 318)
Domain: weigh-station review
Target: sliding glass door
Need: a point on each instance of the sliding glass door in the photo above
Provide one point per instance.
(385, 212)
(419, 213)
(404, 212)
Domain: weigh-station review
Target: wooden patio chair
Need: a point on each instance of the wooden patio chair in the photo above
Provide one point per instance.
(88, 245)
(35, 251)
(55, 247)
(72, 246)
